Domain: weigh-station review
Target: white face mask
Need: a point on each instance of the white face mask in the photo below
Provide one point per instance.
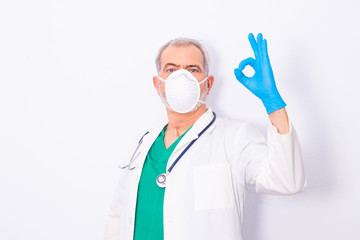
(182, 92)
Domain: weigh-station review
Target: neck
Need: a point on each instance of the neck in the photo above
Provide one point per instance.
(179, 123)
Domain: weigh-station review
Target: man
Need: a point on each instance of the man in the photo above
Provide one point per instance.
(187, 179)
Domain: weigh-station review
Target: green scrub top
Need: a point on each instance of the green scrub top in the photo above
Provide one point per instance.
(150, 199)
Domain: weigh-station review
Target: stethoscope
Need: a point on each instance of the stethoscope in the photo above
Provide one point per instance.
(161, 179)
(133, 156)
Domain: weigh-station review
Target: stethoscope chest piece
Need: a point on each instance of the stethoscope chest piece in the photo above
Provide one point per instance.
(161, 180)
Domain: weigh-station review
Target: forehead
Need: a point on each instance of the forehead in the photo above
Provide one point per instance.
(182, 55)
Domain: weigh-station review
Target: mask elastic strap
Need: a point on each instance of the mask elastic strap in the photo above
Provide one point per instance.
(161, 79)
(201, 101)
(203, 80)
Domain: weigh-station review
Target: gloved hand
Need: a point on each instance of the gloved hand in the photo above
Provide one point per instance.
(262, 84)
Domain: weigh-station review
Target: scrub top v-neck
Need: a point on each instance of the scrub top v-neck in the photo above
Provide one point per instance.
(150, 200)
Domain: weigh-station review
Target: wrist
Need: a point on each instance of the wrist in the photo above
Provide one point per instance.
(279, 119)
(273, 103)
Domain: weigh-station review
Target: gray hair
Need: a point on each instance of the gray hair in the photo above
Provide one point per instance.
(183, 42)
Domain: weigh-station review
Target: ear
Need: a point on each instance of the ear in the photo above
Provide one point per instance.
(156, 84)
(210, 82)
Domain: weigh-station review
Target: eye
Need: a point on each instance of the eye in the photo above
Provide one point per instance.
(193, 70)
(170, 70)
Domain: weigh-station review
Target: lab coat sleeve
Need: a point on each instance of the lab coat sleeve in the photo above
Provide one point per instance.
(278, 169)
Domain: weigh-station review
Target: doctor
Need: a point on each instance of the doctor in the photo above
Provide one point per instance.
(187, 179)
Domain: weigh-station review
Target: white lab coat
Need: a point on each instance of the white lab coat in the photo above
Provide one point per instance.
(206, 190)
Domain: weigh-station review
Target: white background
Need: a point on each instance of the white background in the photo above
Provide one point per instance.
(76, 86)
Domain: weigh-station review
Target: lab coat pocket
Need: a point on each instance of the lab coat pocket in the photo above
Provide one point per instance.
(213, 187)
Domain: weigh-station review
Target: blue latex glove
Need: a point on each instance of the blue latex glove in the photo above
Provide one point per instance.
(262, 84)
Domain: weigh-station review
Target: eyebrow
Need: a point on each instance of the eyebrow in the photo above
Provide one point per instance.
(171, 64)
(186, 66)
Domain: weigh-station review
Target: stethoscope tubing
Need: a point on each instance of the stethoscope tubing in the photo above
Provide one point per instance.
(191, 143)
(161, 179)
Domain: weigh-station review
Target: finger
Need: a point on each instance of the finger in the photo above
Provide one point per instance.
(265, 45)
(264, 50)
(259, 38)
(260, 44)
(264, 53)
(248, 61)
(240, 76)
(254, 45)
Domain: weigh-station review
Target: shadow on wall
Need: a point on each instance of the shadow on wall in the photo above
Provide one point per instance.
(216, 89)
(315, 137)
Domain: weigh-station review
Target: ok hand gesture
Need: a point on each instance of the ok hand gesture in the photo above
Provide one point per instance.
(262, 84)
